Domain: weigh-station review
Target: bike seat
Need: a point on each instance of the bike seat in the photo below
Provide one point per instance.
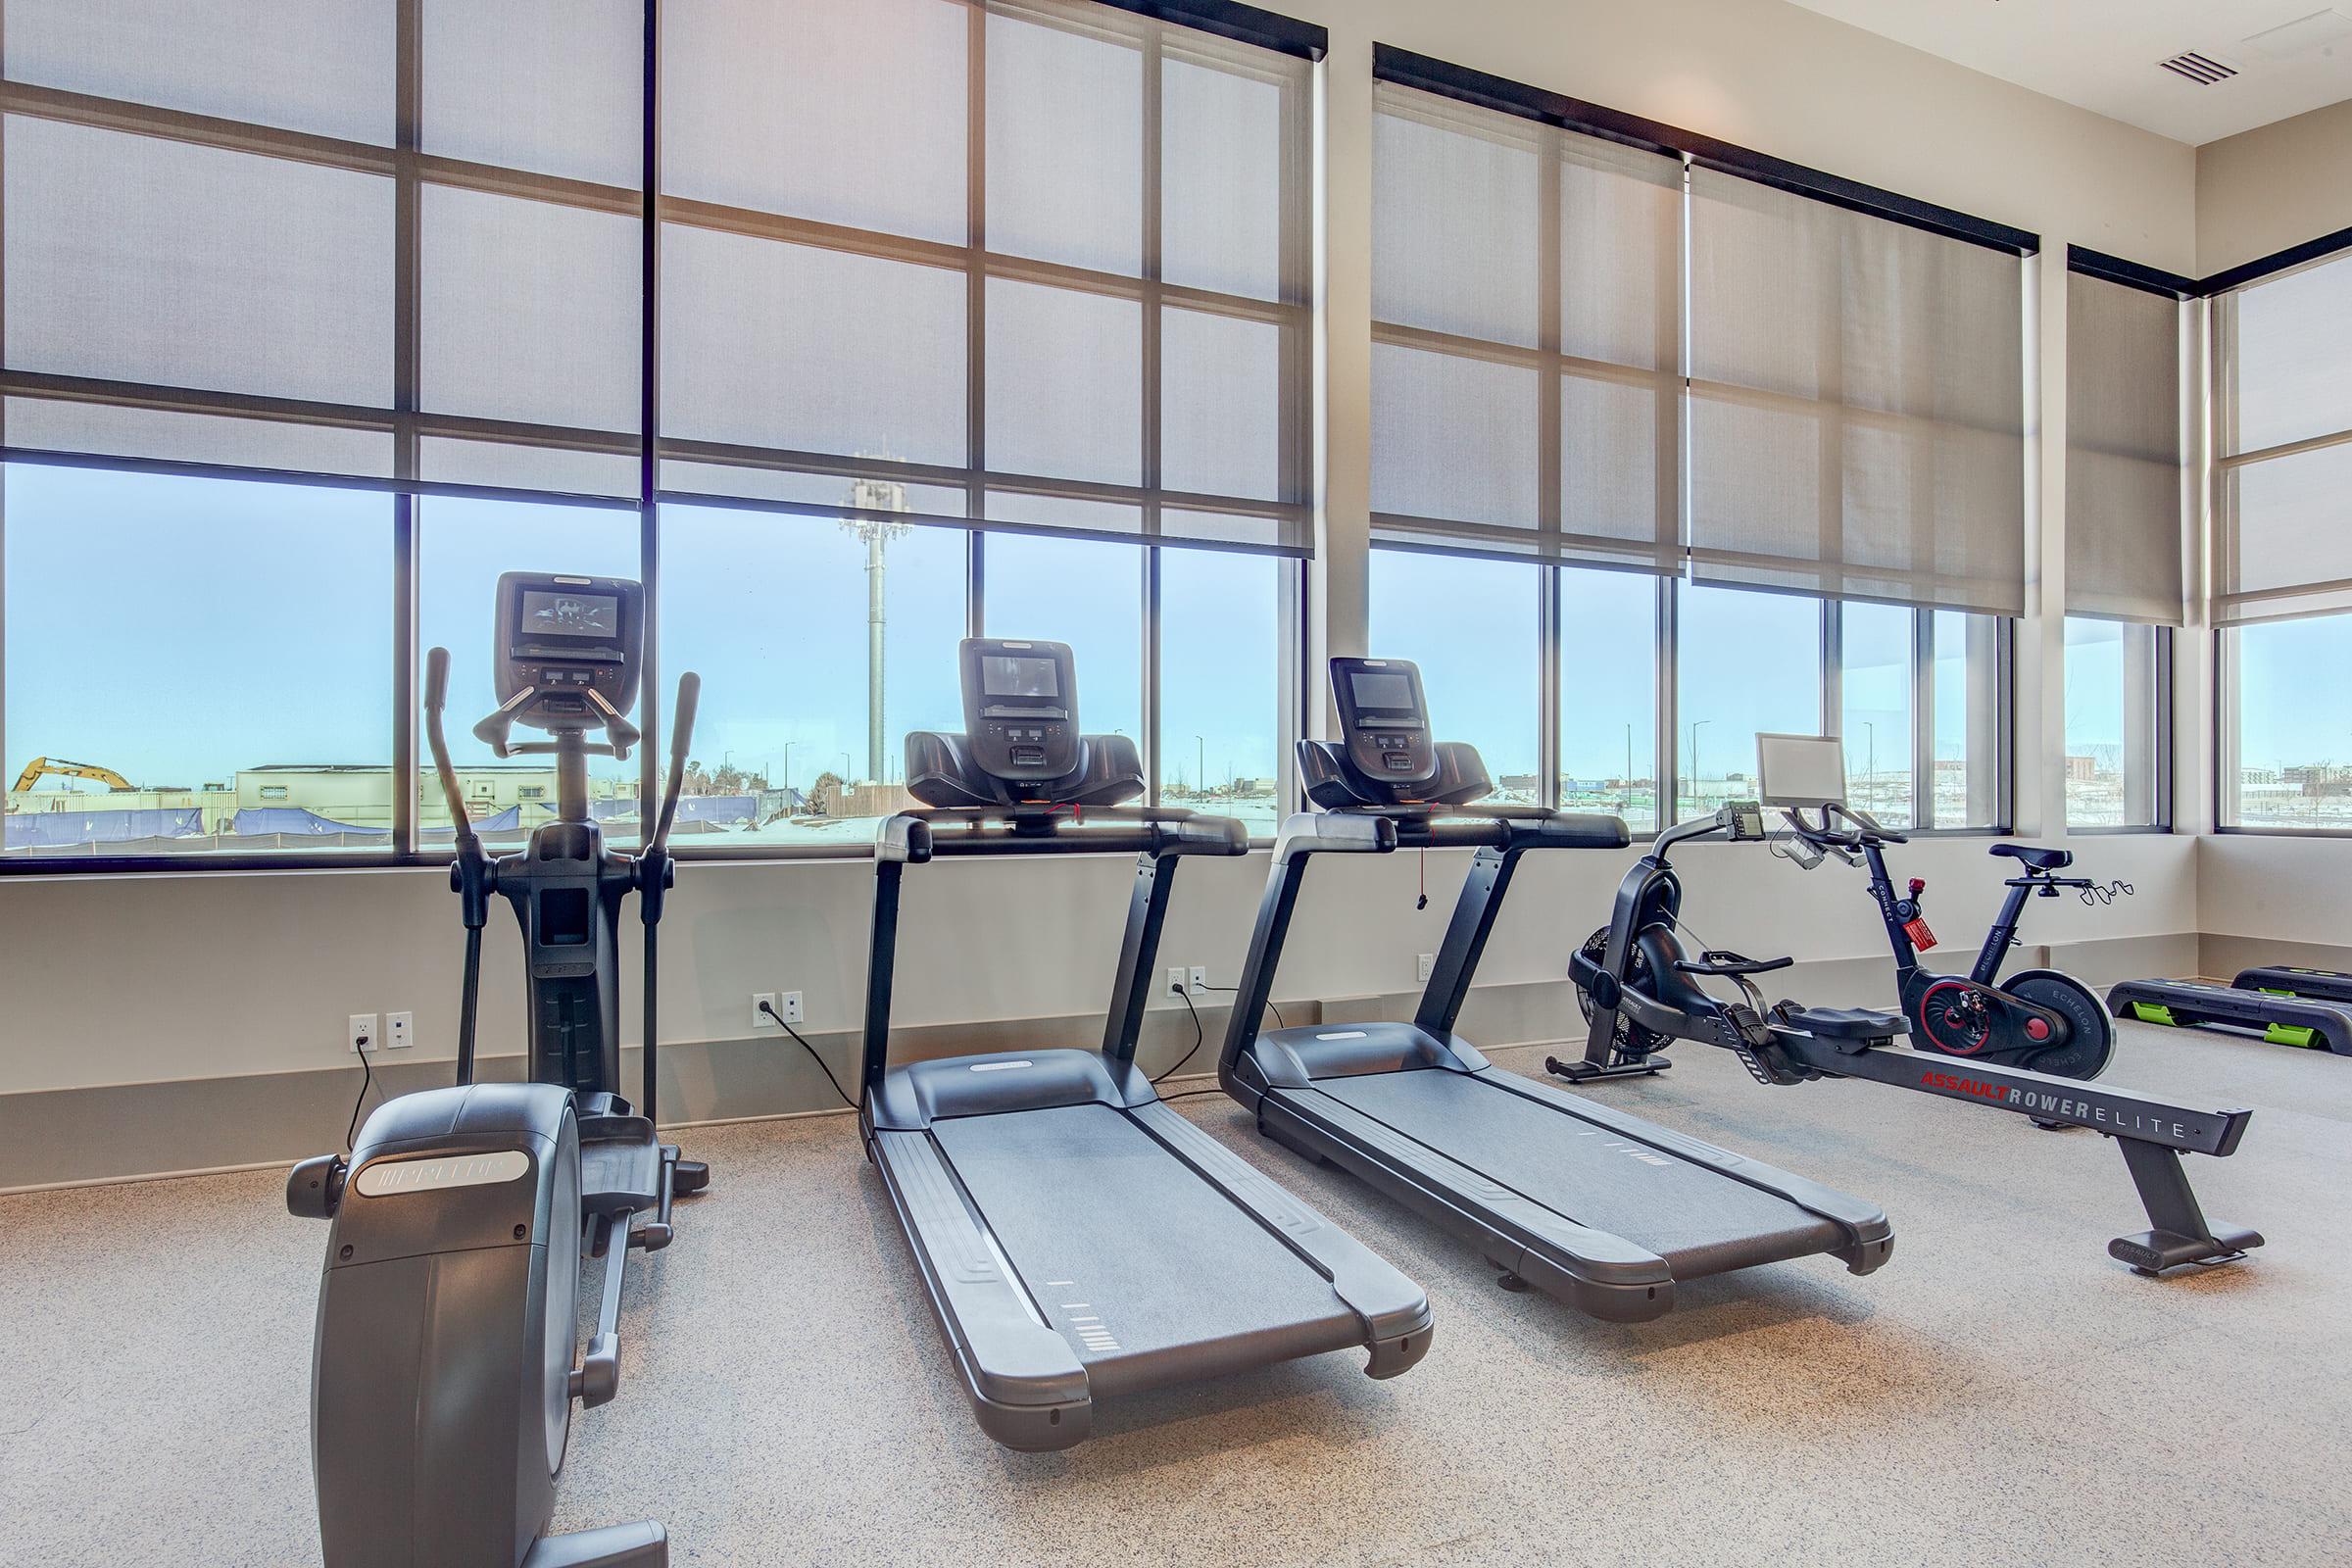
(1844, 1023)
(2041, 859)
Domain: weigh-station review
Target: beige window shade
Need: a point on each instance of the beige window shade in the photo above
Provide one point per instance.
(1042, 265)
(2125, 453)
(2282, 426)
(221, 251)
(1526, 358)
(1857, 403)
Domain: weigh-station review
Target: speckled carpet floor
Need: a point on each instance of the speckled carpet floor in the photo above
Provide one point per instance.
(2000, 1392)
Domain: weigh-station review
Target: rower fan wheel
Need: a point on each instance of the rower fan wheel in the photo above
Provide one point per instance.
(1632, 1042)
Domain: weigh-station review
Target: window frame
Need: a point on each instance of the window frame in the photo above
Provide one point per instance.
(408, 424)
(2226, 704)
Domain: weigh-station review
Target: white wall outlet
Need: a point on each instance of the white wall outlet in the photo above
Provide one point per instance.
(400, 1030)
(1428, 961)
(366, 1035)
(1178, 981)
(789, 1005)
(762, 1001)
(1200, 979)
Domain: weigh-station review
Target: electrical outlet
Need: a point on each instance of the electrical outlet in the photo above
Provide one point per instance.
(1177, 980)
(1199, 978)
(762, 1001)
(789, 1005)
(1428, 961)
(364, 1031)
(400, 1030)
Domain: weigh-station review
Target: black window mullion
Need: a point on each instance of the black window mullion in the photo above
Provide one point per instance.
(1923, 722)
(406, 335)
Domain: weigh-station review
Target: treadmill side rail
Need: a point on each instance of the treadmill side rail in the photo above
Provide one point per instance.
(1394, 1310)
(1028, 1389)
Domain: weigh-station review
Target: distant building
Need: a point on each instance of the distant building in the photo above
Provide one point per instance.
(2082, 770)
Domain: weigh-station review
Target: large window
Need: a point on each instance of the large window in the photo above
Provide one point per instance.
(195, 666)
(1909, 686)
(1746, 664)
(2115, 704)
(2282, 422)
(1665, 454)
(971, 312)
(2286, 724)
(1472, 626)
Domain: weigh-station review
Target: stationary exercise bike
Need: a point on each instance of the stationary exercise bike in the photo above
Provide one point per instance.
(2037, 1019)
(443, 1374)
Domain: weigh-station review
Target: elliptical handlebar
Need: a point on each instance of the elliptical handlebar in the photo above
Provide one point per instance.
(436, 697)
(681, 740)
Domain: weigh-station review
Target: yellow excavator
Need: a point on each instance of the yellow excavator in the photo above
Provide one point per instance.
(114, 782)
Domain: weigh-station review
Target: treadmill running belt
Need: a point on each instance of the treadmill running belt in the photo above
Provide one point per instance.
(1700, 1222)
(1149, 1271)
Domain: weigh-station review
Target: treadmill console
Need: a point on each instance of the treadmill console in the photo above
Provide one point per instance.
(1384, 720)
(568, 650)
(1021, 708)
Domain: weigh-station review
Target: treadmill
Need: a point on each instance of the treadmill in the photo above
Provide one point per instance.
(1593, 1207)
(1078, 1238)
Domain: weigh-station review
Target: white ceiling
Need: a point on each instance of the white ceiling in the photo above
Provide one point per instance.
(2102, 54)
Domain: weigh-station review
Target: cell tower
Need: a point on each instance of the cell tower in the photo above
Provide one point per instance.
(870, 497)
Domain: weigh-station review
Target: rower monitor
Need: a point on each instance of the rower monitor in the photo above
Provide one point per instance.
(1803, 771)
(1021, 708)
(1384, 719)
(569, 648)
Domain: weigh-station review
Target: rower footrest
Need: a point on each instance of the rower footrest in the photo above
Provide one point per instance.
(1843, 1024)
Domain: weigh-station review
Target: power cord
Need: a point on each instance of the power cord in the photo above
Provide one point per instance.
(1199, 1035)
(366, 1082)
(769, 1009)
(1272, 1005)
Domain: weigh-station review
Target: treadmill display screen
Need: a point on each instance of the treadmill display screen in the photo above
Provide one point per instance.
(1010, 675)
(1381, 688)
(569, 615)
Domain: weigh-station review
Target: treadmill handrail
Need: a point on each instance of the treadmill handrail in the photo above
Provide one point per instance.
(903, 838)
(1097, 830)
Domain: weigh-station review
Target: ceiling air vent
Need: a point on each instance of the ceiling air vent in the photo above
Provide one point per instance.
(2203, 70)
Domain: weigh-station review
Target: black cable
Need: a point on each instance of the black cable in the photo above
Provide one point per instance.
(770, 1011)
(1271, 1004)
(1188, 1093)
(366, 1082)
(1199, 1036)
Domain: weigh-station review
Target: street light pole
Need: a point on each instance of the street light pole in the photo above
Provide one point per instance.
(1869, 759)
(1696, 797)
(1200, 768)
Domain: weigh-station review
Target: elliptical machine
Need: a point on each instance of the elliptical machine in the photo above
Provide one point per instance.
(442, 1376)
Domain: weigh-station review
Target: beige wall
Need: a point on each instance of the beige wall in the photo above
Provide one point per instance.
(2278, 185)
(165, 978)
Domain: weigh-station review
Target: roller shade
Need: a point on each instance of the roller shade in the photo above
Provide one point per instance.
(1857, 403)
(1041, 266)
(228, 244)
(2283, 428)
(1526, 356)
(2126, 452)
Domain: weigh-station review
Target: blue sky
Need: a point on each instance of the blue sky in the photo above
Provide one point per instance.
(176, 629)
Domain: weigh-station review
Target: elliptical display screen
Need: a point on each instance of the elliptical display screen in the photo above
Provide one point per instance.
(569, 615)
(1011, 675)
(1388, 690)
